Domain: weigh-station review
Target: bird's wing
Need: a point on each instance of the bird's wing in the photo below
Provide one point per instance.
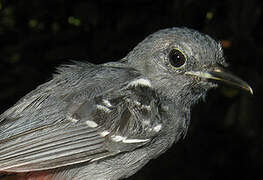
(85, 113)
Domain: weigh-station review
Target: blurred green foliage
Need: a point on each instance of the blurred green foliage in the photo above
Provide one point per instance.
(74, 21)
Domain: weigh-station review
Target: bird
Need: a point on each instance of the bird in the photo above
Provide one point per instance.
(106, 121)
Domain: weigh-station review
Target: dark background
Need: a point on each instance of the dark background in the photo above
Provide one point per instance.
(225, 137)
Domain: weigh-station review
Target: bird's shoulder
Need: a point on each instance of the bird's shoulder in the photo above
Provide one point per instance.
(72, 83)
(85, 113)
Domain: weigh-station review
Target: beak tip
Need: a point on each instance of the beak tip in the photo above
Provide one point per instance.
(250, 90)
(222, 76)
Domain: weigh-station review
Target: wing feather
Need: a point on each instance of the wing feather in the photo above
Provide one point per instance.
(66, 144)
(48, 128)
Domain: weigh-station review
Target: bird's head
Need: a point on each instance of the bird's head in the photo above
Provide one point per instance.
(183, 63)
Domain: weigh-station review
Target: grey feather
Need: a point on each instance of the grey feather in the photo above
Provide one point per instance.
(107, 121)
(53, 135)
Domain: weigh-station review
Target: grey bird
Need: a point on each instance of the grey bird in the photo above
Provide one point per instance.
(105, 122)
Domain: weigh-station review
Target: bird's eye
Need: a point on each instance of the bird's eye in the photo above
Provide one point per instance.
(177, 58)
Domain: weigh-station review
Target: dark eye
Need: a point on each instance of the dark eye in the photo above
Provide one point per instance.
(177, 58)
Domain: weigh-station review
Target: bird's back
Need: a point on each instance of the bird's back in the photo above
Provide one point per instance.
(86, 113)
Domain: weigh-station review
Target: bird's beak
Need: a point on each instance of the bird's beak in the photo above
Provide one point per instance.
(220, 75)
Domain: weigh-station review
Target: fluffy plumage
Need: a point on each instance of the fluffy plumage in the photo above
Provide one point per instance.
(107, 121)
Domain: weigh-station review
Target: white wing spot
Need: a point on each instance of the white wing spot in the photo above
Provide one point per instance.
(104, 133)
(157, 128)
(104, 108)
(91, 124)
(72, 119)
(117, 138)
(147, 107)
(106, 103)
(125, 140)
(146, 122)
(137, 103)
(142, 82)
(134, 140)
(166, 108)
